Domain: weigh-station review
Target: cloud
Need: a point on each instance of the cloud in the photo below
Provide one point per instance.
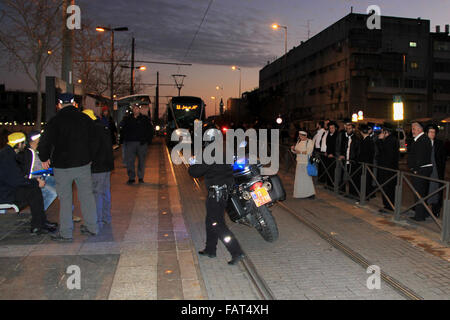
(233, 32)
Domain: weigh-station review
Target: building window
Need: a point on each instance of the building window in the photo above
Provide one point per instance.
(414, 65)
(413, 44)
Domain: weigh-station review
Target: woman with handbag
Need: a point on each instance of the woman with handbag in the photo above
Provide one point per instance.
(303, 184)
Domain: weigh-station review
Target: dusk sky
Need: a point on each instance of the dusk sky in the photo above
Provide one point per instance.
(235, 32)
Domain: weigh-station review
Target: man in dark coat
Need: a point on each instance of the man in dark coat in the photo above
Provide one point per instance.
(387, 157)
(68, 145)
(218, 179)
(137, 134)
(349, 152)
(17, 189)
(330, 154)
(366, 155)
(439, 159)
(420, 163)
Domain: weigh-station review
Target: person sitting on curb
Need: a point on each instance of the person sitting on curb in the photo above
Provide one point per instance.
(19, 190)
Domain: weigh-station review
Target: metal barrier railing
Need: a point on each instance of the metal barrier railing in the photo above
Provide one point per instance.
(339, 175)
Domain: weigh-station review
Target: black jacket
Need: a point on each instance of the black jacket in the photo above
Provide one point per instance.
(109, 122)
(25, 161)
(331, 143)
(11, 177)
(103, 159)
(388, 152)
(367, 150)
(137, 129)
(215, 174)
(419, 153)
(440, 156)
(68, 140)
(355, 147)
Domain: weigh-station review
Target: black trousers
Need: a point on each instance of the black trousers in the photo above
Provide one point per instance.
(32, 196)
(422, 188)
(388, 188)
(217, 229)
(322, 176)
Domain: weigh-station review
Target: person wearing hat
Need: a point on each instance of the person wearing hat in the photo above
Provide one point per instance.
(420, 163)
(137, 134)
(330, 152)
(69, 144)
(350, 144)
(108, 121)
(388, 156)
(17, 189)
(366, 155)
(102, 165)
(29, 162)
(303, 183)
(438, 159)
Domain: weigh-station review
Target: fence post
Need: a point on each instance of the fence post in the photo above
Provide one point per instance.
(398, 196)
(445, 236)
(337, 176)
(362, 194)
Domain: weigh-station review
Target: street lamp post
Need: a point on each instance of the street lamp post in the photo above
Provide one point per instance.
(275, 26)
(111, 75)
(237, 68)
(133, 69)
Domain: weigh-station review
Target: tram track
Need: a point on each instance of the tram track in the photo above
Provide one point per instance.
(353, 255)
(258, 282)
(260, 285)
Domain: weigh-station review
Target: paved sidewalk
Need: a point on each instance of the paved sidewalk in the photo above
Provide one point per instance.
(144, 254)
(403, 252)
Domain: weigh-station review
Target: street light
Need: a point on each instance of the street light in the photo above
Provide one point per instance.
(112, 30)
(237, 68)
(275, 26)
(141, 68)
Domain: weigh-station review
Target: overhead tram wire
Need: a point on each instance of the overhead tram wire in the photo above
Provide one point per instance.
(195, 36)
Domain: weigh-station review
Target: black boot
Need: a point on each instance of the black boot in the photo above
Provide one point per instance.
(236, 259)
(205, 253)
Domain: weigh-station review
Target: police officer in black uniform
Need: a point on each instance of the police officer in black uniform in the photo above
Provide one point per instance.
(218, 179)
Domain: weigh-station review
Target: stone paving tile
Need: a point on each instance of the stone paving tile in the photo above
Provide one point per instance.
(400, 259)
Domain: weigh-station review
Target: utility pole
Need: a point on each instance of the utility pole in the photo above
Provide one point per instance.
(67, 49)
(132, 67)
(156, 116)
(111, 74)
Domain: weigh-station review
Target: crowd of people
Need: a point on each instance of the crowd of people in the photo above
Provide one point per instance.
(76, 146)
(352, 146)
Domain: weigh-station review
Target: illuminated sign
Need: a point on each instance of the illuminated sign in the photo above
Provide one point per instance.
(186, 107)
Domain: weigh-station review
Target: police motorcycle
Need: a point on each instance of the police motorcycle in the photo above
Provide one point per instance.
(252, 195)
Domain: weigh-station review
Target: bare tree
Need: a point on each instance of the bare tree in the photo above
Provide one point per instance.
(92, 54)
(30, 31)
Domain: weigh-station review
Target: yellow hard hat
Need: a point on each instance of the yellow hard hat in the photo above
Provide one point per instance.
(15, 138)
(90, 113)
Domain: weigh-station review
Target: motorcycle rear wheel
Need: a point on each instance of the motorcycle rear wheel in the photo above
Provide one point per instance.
(266, 224)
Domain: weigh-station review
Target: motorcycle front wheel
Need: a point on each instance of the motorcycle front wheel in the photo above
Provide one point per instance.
(266, 224)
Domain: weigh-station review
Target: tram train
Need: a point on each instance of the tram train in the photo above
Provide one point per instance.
(182, 111)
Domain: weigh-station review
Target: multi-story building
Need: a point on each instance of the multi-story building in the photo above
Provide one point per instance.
(348, 67)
